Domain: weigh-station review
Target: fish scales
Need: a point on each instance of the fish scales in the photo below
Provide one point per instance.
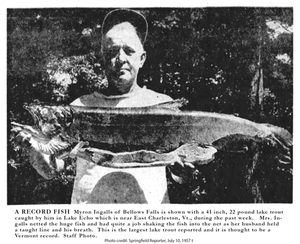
(157, 129)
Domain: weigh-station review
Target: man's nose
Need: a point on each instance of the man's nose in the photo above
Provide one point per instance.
(121, 56)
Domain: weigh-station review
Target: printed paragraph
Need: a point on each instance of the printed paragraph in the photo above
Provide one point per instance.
(72, 223)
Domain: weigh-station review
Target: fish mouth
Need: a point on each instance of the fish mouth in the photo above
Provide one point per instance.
(32, 112)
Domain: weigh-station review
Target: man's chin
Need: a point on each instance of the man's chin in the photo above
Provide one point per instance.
(122, 83)
(122, 79)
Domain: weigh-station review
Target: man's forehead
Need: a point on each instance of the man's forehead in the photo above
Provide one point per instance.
(122, 26)
(122, 33)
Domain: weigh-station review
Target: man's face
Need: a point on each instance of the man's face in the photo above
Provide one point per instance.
(124, 56)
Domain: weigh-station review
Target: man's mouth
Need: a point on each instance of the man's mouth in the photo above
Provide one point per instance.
(122, 71)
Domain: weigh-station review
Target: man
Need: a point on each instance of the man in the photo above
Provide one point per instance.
(123, 34)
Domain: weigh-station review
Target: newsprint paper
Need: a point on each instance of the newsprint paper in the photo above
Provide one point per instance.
(207, 204)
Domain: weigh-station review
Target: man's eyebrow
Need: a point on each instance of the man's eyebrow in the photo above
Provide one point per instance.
(129, 47)
(112, 47)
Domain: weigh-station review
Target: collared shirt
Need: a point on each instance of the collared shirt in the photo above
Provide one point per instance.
(141, 97)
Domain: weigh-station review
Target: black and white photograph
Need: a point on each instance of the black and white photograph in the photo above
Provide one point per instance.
(161, 105)
(190, 107)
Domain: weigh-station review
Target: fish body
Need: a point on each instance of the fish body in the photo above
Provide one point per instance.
(160, 128)
(163, 130)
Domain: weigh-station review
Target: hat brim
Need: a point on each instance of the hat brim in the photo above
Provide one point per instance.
(118, 16)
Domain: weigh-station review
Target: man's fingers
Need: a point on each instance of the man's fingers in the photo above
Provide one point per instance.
(284, 162)
(178, 163)
(189, 166)
(281, 143)
(285, 157)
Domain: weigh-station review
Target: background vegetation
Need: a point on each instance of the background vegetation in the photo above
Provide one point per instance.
(228, 60)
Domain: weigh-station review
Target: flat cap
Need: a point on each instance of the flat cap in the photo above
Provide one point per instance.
(135, 18)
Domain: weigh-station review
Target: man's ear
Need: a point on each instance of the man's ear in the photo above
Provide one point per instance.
(143, 59)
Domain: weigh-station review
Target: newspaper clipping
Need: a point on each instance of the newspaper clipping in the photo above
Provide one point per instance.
(150, 124)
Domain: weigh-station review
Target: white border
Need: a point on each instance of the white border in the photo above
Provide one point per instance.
(290, 227)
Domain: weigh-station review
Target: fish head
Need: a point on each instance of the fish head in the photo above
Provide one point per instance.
(51, 120)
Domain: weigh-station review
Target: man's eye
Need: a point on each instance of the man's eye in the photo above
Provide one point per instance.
(111, 53)
(129, 51)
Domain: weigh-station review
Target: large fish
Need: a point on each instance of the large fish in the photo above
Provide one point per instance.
(150, 136)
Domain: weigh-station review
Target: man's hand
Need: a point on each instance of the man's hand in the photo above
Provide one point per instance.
(181, 172)
(183, 168)
(281, 140)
